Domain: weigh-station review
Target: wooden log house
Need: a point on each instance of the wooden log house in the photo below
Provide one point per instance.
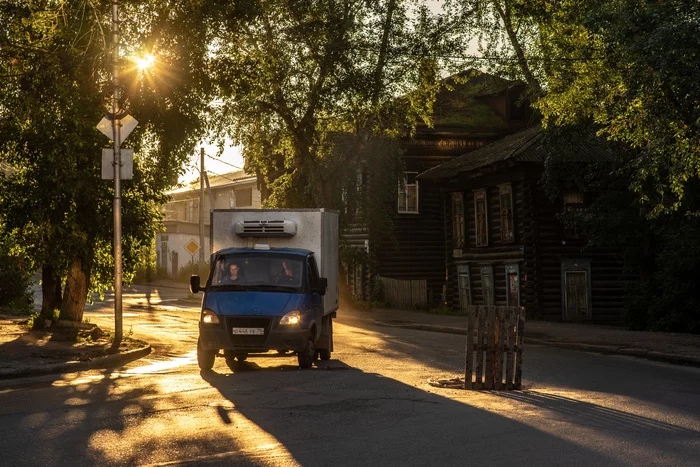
(504, 244)
(467, 116)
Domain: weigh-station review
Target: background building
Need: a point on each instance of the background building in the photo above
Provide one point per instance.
(182, 219)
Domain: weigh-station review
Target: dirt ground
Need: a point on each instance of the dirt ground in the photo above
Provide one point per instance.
(22, 348)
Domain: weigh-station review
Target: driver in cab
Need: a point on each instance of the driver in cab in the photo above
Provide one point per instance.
(232, 276)
(286, 275)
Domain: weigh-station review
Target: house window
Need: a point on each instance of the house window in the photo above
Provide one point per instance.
(576, 289)
(506, 202)
(192, 213)
(457, 220)
(244, 197)
(487, 287)
(408, 193)
(481, 220)
(513, 284)
(465, 293)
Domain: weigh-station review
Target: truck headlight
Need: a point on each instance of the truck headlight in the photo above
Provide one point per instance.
(209, 317)
(293, 317)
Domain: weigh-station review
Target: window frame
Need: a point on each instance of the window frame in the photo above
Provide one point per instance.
(483, 239)
(463, 272)
(512, 268)
(240, 190)
(488, 271)
(507, 234)
(403, 191)
(458, 225)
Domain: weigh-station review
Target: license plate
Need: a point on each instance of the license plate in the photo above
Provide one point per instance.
(248, 331)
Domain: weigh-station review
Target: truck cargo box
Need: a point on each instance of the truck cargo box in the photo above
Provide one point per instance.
(311, 229)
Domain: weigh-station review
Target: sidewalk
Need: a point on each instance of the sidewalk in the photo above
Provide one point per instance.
(683, 349)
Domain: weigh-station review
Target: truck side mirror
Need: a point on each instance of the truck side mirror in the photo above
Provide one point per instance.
(194, 284)
(322, 285)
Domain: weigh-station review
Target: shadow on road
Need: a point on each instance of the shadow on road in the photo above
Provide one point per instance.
(350, 417)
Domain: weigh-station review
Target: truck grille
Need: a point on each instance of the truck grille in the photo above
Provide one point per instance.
(248, 322)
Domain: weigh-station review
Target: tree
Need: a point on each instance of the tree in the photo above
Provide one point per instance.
(628, 67)
(54, 61)
(293, 74)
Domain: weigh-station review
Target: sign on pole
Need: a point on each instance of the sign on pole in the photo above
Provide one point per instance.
(192, 247)
(126, 126)
(127, 171)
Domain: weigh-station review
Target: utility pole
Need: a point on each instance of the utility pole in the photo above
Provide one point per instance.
(117, 164)
(201, 210)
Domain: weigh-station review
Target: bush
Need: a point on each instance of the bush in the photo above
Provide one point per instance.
(15, 293)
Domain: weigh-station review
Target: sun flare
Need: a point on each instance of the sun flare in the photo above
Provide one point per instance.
(145, 62)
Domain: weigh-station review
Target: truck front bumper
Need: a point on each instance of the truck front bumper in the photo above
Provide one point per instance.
(275, 337)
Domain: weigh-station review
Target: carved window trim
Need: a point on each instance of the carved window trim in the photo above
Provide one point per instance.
(488, 287)
(464, 284)
(507, 218)
(408, 192)
(457, 220)
(513, 284)
(481, 218)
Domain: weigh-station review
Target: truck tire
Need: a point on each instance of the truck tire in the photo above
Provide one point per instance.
(306, 357)
(234, 359)
(205, 358)
(325, 354)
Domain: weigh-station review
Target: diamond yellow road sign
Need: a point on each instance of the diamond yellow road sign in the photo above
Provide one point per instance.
(192, 247)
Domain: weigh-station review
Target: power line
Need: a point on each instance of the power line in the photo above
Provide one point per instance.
(224, 162)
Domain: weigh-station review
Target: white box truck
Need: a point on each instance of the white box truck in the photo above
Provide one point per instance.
(273, 285)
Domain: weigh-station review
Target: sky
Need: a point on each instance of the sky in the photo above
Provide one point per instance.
(230, 161)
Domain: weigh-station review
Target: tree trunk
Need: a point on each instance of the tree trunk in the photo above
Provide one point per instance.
(50, 299)
(75, 295)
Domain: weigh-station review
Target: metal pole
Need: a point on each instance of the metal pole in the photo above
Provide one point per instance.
(117, 164)
(201, 210)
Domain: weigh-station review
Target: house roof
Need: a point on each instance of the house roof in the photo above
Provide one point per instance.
(529, 145)
(217, 181)
(461, 104)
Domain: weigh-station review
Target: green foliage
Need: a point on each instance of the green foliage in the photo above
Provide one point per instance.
(15, 281)
(55, 63)
(297, 74)
(636, 77)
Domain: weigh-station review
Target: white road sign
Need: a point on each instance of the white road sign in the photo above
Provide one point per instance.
(128, 124)
(127, 164)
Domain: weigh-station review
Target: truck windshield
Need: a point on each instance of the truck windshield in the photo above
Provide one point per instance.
(258, 270)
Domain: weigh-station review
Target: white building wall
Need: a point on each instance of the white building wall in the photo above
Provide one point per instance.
(182, 213)
(176, 243)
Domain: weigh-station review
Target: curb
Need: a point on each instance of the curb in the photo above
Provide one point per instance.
(595, 348)
(70, 367)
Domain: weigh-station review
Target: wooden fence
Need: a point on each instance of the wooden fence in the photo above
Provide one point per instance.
(494, 333)
(405, 293)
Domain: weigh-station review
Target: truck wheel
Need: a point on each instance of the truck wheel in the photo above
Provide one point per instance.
(306, 357)
(205, 358)
(325, 354)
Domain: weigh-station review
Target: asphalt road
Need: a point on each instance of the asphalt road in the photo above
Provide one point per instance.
(370, 404)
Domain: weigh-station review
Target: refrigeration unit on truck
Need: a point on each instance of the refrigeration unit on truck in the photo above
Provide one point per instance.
(272, 286)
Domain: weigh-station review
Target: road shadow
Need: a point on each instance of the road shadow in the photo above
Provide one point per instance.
(594, 415)
(656, 383)
(350, 417)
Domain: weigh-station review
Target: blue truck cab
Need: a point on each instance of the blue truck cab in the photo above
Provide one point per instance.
(263, 298)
